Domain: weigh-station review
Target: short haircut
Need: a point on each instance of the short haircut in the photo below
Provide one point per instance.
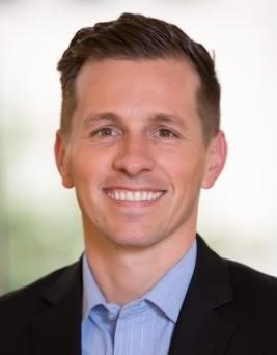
(135, 37)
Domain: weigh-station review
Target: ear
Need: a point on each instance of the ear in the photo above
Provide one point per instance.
(62, 160)
(216, 157)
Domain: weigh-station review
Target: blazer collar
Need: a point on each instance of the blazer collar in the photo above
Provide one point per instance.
(57, 328)
(200, 329)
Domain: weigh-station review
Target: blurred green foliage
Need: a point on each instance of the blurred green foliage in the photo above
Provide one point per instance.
(37, 244)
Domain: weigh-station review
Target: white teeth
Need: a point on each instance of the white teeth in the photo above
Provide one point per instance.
(121, 195)
(130, 196)
(124, 195)
(137, 196)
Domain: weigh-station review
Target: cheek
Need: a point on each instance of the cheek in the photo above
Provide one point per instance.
(88, 167)
(183, 170)
(81, 170)
(87, 179)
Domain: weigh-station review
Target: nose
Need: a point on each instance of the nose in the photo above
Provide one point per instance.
(133, 157)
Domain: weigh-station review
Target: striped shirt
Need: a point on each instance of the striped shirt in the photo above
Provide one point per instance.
(141, 327)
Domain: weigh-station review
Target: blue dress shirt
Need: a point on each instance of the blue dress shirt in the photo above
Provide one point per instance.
(141, 327)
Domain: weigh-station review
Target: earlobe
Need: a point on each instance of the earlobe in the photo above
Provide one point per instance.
(216, 157)
(62, 160)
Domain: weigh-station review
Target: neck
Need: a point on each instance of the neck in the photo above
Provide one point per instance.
(125, 274)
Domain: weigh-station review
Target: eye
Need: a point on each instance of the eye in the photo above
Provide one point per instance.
(104, 132)
(166, 133)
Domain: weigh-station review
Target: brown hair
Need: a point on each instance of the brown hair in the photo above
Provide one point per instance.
(134, 36)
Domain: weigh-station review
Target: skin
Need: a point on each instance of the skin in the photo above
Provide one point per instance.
(136, 128)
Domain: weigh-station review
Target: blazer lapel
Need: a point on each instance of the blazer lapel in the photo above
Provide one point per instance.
(200, 329)
(57, 328)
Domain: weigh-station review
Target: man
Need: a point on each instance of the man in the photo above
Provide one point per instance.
(139, 138)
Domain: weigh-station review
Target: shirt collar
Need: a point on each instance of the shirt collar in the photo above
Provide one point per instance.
(92, 296)
(168, 293)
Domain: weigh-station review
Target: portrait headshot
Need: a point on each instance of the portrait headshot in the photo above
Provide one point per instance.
(140, 152)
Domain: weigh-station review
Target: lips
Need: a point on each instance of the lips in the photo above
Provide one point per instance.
(137, 196)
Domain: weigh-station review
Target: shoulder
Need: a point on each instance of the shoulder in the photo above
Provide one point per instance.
(243, 281)
(251, 281)
(20, 309)
(251, 286)
(24, 300)
(244, 296)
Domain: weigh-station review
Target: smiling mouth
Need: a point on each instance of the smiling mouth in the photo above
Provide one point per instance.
(137, 196)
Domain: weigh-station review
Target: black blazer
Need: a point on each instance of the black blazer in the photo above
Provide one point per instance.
(230, 309)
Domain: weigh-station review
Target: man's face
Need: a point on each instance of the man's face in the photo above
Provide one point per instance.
(136, 154)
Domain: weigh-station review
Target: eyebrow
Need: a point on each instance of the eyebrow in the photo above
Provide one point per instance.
(167, 118)
(105, 116)
(153, 118)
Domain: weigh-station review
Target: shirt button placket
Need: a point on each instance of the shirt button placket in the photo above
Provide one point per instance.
(111, 317)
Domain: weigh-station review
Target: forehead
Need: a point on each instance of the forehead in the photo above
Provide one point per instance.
(161, 85)
(164, 71)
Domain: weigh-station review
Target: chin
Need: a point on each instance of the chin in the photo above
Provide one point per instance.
(134, 241)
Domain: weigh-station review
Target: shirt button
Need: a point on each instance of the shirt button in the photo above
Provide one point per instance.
(111, 317)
